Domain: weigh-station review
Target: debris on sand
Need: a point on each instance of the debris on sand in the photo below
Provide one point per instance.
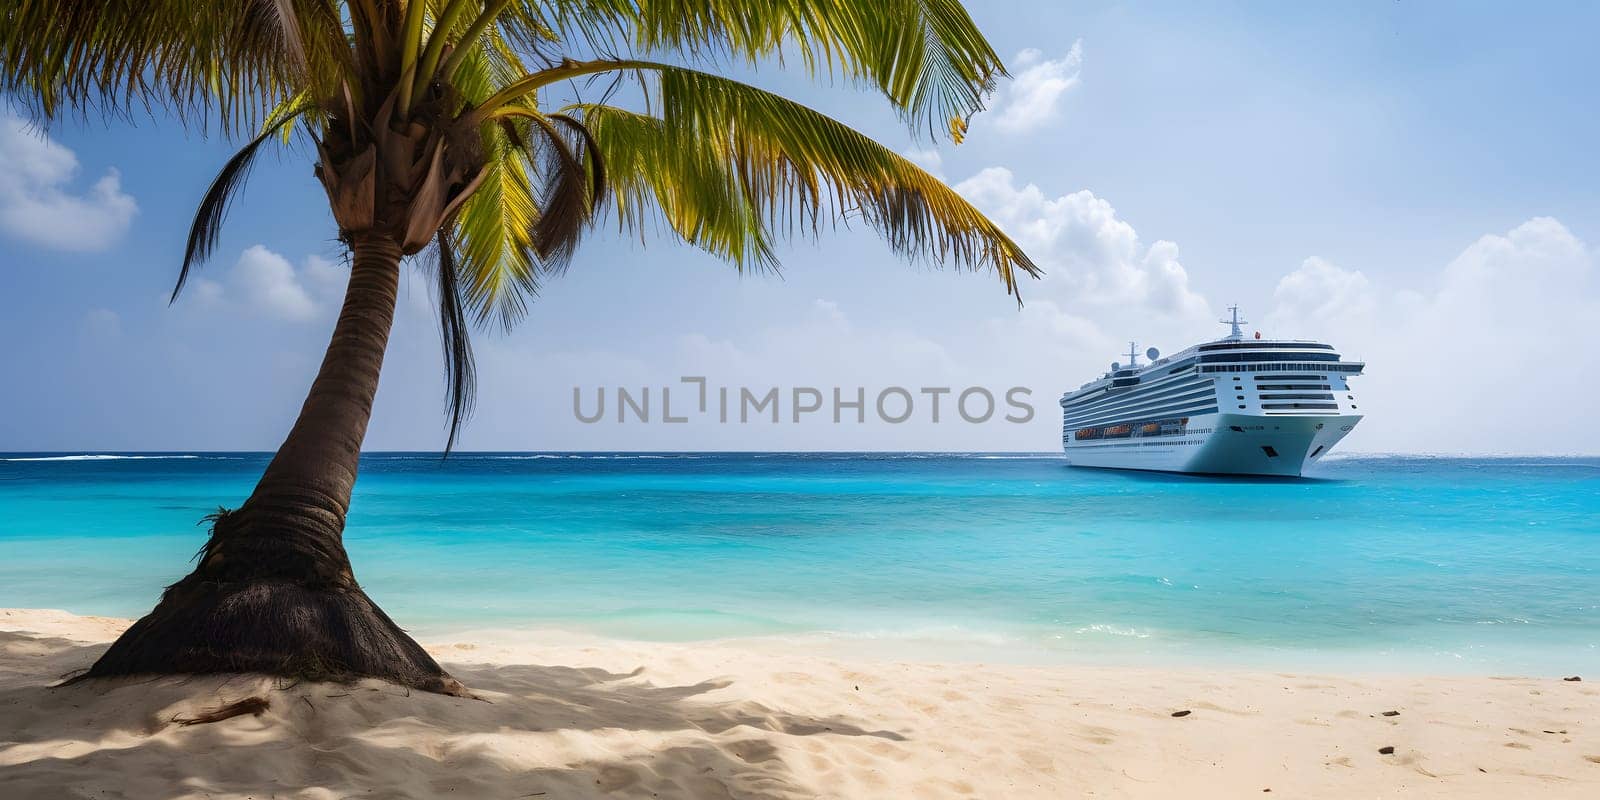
(254, 706)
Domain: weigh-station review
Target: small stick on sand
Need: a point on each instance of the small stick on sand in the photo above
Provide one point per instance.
(253, 706)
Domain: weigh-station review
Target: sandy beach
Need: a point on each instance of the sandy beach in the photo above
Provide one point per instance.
(562, 717)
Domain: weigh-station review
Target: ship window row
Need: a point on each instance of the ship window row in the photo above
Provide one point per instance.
(1207, 359)
(1276, 367)
(1149, 392)
(1166, 443)
(1158, 427)
(1161, 427)
(1291, 377)
(1322, 406)
(1144, 405)
(1144, 419)
(1258, 345)
(1290, 387)
(1187, 409)
(1319, 396)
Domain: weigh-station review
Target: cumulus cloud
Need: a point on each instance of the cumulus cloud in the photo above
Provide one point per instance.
(1319, 292)
(267, 283)
(37, 203)
(268, 280)
(1456, 361)
(1091, 256)
(1033, 97)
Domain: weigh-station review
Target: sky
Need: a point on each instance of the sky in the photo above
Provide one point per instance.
(1412, 182)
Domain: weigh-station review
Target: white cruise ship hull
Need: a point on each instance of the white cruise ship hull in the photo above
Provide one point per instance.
(1223, 444)
(1232, 406)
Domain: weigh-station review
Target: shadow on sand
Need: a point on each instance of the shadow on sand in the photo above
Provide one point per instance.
(545, 731)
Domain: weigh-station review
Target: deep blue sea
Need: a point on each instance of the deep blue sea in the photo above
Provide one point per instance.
(1376, 563)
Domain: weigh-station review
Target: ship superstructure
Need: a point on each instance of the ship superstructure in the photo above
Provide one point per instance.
(1237, 405)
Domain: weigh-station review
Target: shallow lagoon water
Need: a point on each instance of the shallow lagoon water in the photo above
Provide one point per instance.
(1373, 563)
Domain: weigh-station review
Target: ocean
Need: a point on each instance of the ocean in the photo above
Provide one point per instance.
(1376, 564)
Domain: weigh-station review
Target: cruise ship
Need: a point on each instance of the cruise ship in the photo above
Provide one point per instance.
(1234, 406)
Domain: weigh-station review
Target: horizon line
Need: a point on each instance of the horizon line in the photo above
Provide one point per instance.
(1038, 453)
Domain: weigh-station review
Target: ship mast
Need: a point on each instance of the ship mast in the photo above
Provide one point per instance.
(1236, 332)
(1133, 355)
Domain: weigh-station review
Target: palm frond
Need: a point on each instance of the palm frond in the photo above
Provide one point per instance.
(213, 209)
(793, 165)
(484, 68)
(691, 189)
(926, 56)
(573, 186)
(230, 60)
(494, 229)
(460, 374)
(541, 191)
(450, 16)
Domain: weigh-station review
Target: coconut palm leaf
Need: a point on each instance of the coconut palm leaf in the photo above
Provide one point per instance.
(231, 61)
(213, 209)
(495, 234)
(724, 155)
(460, 377)
(692, 189)
(926, 56)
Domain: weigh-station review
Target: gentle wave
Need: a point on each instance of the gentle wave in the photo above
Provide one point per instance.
(1113, 630)
(96, 457)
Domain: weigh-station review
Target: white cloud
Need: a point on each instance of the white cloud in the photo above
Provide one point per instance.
(1092, 258)
(37, 204)
(269, 284)
(1033, 97)
(268, 280)
(1469, 360)
(1318, 292)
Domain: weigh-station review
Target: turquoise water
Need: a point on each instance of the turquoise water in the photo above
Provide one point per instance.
(1442, 564)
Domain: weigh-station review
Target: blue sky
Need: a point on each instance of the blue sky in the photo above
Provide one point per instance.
(1413, 182)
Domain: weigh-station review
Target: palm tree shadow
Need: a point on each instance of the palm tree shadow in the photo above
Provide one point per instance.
(546, 731)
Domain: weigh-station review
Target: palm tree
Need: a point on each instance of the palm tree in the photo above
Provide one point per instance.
(431, 139)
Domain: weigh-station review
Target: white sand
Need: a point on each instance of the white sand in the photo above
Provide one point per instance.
(580, 719)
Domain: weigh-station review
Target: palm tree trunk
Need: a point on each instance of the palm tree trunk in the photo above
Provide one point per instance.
(274, 591)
